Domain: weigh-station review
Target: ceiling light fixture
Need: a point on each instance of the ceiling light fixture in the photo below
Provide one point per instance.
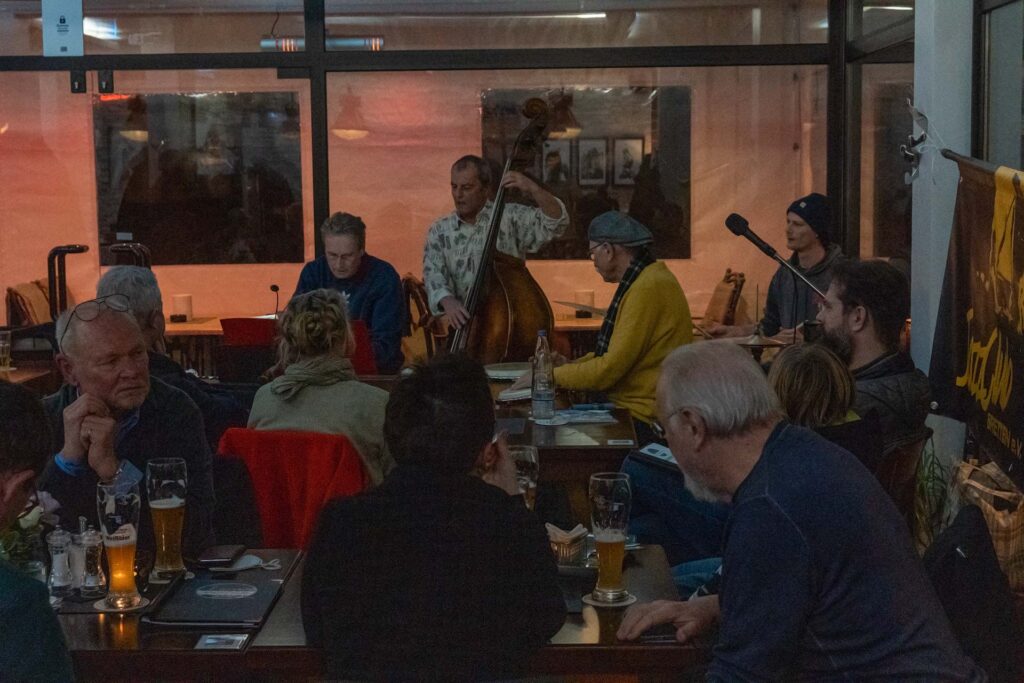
(349, 124)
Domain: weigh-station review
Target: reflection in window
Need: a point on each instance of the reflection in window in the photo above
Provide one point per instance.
(200, 178)
(608, 149)
(470, 24)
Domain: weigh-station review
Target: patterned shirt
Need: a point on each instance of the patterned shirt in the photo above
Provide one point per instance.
(452, 252)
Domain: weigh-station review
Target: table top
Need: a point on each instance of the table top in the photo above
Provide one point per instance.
(197, 327)
(38, 376)
(105, 646)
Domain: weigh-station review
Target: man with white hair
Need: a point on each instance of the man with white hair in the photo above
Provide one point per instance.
(109, 418)
(219, 408)
(820, 579)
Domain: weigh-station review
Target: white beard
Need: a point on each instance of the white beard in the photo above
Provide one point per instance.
(699, 491)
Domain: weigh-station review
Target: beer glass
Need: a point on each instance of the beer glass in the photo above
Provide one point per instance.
(118, 505)
(166, 484)
(610, 498)
(527, 471)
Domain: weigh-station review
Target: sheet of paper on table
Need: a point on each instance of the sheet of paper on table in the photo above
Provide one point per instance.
(587, 416)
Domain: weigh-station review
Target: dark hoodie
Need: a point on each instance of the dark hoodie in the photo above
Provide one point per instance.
(778, 309)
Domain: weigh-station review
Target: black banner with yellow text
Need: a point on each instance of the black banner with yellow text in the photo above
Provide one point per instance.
(978, 350)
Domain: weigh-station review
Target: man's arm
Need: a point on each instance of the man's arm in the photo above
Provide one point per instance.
(436, 278)
(766, 595)
(386, 320)
(531, 227)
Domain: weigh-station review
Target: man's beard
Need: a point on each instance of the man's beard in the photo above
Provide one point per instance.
(839, 342)
(699, 491)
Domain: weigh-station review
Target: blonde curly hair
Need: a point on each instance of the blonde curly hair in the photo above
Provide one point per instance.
(815, 388)
(314, 324)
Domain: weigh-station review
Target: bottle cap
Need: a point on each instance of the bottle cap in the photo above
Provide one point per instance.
(92, 537)
(542, 333)
(58, 537)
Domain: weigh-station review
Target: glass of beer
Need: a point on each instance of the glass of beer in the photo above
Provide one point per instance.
(527, 471)
(118, 505)
(610, 498)
(166, 484)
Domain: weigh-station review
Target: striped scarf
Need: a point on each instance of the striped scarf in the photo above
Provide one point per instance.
(604, 337)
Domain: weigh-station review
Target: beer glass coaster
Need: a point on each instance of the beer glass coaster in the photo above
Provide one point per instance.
(102, 606)
(552, 421)
(624, 602)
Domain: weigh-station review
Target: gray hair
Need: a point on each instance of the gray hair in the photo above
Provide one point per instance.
(340, 223)
(67, 334)
(722, 383)
(139, 285)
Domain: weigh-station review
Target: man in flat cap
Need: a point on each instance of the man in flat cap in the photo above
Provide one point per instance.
(647, 319)
(790, 301)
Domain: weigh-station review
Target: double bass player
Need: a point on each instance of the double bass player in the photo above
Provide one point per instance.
(451, 256)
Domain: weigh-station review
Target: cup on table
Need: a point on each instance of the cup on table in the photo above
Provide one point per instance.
(5, 350)
(117, 504)
(527, 471)
(610, 499)
(166, 485)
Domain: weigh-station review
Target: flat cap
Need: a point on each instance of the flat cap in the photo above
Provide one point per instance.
(615, 227)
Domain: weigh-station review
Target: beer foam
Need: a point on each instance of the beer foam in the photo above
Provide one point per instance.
(167, 503)
(610, 536)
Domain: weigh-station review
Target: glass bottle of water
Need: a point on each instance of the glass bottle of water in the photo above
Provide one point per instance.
(59, 542)
(543, 390)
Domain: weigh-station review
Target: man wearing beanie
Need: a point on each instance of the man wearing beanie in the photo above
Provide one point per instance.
(647, 319)
(808, 229)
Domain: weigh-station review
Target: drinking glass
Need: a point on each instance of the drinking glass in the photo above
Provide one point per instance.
(527, 471)
(610, 498)
(118, 504)
(166, 484)
(5, 350)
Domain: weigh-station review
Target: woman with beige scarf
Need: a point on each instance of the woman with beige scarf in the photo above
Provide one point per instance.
(319, 391)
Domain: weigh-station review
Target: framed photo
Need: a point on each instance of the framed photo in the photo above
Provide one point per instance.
(556, 162)
(627, 154)
(593, 162)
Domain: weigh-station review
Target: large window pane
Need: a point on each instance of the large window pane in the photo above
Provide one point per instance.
(136, 27)
(885, 197)
(754, 140)
(49, 191)
(869, 16)
(455, 24)
(1004, 136)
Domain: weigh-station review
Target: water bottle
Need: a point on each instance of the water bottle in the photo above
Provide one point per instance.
(543, 390)
(59, 542)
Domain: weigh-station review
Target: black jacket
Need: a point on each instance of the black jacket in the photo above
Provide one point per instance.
(169, 427)
(429, 577)
(899, 393)
(220, 410)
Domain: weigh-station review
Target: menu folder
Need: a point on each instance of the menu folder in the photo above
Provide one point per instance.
(218, 600)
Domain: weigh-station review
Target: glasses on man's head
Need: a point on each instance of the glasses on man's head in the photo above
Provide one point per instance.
(590, 252)
(87, 311)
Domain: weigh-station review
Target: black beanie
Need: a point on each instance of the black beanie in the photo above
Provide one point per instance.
(815, 211)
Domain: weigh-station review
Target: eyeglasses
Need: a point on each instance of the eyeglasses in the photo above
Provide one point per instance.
(659, 430)
(87, 311)
(590, 252)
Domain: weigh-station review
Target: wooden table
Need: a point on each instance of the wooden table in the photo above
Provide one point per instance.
(108, 647)
(579, 334)
(40, 377)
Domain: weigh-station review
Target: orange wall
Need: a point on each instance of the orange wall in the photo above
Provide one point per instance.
(757, 142)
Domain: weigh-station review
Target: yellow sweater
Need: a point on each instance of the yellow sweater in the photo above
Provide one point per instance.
(653, 320)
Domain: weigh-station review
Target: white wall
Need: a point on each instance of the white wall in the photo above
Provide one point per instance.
(942, 91)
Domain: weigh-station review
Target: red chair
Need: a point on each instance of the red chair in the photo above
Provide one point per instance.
(363, 361)
(248, 331)
(294, 474)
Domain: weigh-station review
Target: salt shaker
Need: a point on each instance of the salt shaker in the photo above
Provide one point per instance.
(59, 542)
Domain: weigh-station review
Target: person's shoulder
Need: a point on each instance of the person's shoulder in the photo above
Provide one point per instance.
(382, 269)
(447, 221)
(167, 400)
(55, 403)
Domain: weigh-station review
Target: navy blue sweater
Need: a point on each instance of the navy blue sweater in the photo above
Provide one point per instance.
(374, 296)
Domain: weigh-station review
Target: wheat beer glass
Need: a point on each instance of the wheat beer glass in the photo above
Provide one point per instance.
(610, 498)
(527, 470)
(166, 484)
(118, 505)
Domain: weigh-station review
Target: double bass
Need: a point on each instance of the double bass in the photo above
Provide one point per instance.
(506, 305)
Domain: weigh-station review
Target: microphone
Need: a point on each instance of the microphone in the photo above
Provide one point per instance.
(277, 298)
(739, 226)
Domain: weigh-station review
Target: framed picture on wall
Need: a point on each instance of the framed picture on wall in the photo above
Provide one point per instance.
(592, 156)
(627, 154)
(556, 168)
